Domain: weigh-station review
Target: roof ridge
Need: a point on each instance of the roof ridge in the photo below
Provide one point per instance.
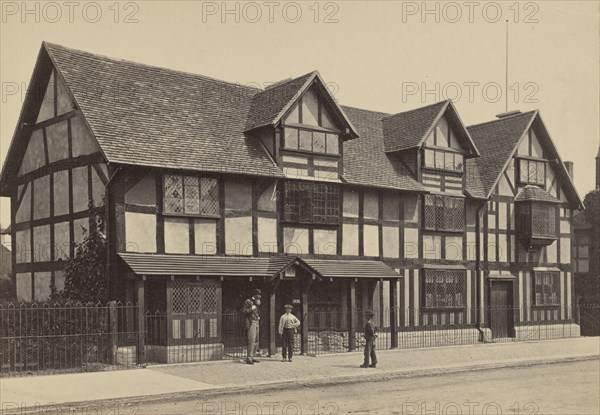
(502, 119)
(363, 109)
(287, 81)
(420, 108)
(146, 65)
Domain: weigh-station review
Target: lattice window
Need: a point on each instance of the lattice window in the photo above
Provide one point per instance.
(195, 297)
(532, 172)
(190, 195)
(445, 288)
(546, 288)
(543, 220)
(443, 213)
(311, 203)
(173, 194)
(443, 160)
(309, 140)
(429, 213)
(209, 196)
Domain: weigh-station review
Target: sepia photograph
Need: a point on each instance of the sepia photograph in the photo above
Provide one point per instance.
(310, 207)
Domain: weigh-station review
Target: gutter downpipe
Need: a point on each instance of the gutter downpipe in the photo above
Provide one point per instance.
(107, 233)
(478, 271)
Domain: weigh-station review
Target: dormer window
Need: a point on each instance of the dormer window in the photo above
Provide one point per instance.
(311, 140)
(444, 160)
(532, 172)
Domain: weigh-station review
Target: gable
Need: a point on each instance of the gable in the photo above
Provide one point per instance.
(313, 109)
(443, 134)
(60, 131)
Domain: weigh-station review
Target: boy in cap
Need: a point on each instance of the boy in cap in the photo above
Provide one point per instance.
(288, 323)
(370, 335)
(252, 312)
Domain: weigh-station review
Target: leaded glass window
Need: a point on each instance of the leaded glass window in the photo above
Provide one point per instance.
(190, 195)
(546, 288)
(311, 203)
(445, 288)
(444, 213)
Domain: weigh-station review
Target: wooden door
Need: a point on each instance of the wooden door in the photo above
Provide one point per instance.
(501, 309)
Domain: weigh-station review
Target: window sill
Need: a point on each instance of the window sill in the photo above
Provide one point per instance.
(545, 307)
(308, 152)
(187, 215)
(437, 170)
(442, 309)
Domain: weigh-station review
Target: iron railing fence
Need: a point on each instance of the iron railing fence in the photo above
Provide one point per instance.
(61, 338)
(46, 338)
(330, 331)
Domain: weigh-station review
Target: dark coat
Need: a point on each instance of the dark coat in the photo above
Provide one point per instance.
(249, 314)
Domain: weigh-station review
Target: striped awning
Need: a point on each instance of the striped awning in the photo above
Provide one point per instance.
(220, 266)
(350, 268)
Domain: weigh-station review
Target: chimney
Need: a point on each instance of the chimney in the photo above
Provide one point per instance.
(569, 166)
(508, 114)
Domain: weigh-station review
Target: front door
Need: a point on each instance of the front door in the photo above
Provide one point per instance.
(501, 309)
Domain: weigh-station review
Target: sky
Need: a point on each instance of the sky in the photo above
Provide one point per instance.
(388, 56)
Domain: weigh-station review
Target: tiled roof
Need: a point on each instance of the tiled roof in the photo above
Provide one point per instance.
(365, 160)
(535, 194)
(164, 264)
(151, 116)
(350, 268)
(267, 105)
(497, 141)
(408, 129)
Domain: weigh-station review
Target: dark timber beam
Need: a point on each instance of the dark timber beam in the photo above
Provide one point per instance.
(273, 316)
(352, 328)
(393, 311)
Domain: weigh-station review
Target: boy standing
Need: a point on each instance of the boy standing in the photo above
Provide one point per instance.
(288, 323)
(370, 335)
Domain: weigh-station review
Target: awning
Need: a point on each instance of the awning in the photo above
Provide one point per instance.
(349, 268)
(220, 266)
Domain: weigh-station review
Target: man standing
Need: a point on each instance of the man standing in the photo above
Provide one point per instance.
(288, 323)
(251, 310)
(370, 335)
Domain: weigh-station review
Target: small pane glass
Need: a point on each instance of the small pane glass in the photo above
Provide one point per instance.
(291, 138)
(318, 142)
(458, 162)
(429, 158)
(333, 144)
(439, 160)
(305, 140)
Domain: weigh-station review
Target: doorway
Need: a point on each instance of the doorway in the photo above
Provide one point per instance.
(501, 309)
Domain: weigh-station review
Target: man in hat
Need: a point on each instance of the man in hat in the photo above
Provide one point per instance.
(251, 310)
(288, 324)
(370, 335)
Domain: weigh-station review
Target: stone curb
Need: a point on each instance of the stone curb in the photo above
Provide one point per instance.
(371, 376)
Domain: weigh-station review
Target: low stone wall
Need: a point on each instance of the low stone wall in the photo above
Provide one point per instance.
(187, 353)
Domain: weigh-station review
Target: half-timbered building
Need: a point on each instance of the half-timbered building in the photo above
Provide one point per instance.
(208, 189)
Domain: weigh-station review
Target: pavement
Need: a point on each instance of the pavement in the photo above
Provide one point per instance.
(159, 383)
